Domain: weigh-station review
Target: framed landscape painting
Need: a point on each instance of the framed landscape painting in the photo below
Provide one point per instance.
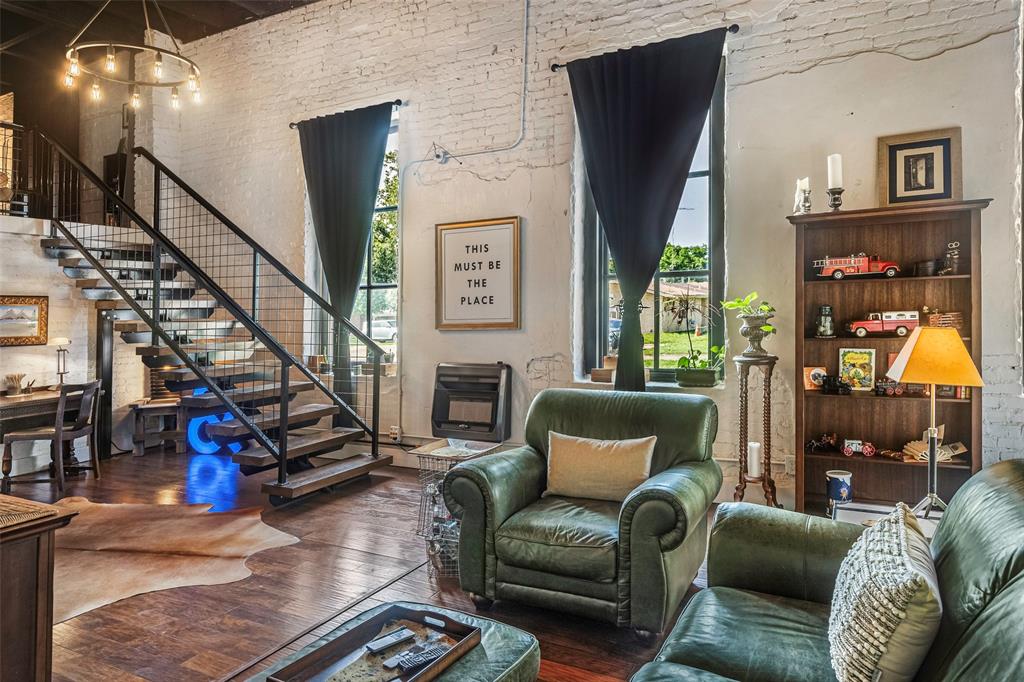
(23, 320)
(924, 166)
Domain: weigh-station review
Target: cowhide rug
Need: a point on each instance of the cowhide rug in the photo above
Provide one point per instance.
(113, 551)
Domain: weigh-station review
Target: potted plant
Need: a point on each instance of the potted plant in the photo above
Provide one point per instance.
(755, 317)
(695, 369)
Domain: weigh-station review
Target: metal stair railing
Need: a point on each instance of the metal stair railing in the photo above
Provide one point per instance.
(341, 360)
(100, 225)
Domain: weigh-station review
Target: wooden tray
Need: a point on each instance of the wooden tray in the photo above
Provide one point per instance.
(348, 650)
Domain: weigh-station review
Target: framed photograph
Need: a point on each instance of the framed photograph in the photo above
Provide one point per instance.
(814, 377)
(857, 368)
(923, 166)
(478, 274)
(23, 320)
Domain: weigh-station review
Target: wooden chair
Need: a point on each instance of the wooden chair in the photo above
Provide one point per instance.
(59, 434)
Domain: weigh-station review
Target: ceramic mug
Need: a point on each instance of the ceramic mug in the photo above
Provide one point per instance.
(839, 487)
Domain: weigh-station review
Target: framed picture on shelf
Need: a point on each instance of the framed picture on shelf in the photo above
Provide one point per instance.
(923, 166)
(814, 377)
(23, 320)
(857, 368)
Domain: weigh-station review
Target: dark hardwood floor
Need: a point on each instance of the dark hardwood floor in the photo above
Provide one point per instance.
(358, 548)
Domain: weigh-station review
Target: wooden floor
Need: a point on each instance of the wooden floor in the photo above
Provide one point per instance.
(358, 549)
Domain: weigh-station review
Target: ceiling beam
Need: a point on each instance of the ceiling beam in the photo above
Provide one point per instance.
(38, 15)
(22, 37)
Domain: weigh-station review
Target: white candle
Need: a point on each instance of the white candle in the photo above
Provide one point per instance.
(803, 185)
(753, 459)
(835, 171)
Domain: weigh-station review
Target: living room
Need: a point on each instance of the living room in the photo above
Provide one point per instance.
(442, 240)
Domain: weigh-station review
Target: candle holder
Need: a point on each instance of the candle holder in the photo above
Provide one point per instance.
(835, 198)
(805, 201)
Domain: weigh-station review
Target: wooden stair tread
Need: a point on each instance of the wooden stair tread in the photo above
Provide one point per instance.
(245, 393)
(211, 345)
(175, 326)
(232, 428)
(320, 477)
(121, 304)
(96, 245)
(298, 446)
(115, 264)
(225, 370)
(132, 284)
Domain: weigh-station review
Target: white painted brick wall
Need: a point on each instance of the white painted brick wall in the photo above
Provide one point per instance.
(457, 65)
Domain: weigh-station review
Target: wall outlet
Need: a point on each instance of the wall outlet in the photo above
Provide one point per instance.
(396, 433)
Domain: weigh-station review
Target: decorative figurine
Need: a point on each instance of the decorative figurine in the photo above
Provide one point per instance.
(825, 326)
(826, 442)
(888, 387)
(898, 322)
(855, 264)
(833, 385)
(951, 263)
(852, 446)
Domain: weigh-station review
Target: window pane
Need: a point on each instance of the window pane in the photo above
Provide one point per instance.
(685, 320)
(384, 314)
(384, 250)
(358, 317)
(702, 157)
(692, 223)
(614, 316)
(387, 193)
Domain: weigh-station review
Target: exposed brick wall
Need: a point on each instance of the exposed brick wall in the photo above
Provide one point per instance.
(458, 66)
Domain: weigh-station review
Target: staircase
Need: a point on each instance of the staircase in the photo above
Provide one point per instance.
(218, 319)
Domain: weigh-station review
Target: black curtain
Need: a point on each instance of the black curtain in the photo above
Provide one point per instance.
(640, 113)
(343, 156)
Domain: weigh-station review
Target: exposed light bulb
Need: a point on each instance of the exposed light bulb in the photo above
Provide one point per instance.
(95, 92)
(193, 80)
(197, 96)
(134, 100)
(73, 68)
(158, 67)
(175, 100)
(69, 80)
(110, 65)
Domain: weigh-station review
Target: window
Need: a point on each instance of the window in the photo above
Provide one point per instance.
(681, 313)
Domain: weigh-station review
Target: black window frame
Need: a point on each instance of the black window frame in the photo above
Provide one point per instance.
(596, 273)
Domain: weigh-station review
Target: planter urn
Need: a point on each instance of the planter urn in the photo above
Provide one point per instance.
(754, 334)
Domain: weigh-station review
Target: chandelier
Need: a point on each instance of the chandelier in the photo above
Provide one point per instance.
(78, 53)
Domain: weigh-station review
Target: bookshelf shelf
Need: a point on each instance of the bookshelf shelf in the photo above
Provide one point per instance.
(905, 234)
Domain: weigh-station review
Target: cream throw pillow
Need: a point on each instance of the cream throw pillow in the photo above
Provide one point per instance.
(597, 469)
(886, 607)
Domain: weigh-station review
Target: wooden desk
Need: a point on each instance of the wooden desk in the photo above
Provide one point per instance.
(26, 590)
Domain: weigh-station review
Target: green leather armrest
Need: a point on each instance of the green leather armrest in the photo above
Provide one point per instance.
(668, 505)
(483, 493)
(778, 552)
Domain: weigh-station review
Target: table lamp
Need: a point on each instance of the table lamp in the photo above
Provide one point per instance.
(934, 355)
(62, 356)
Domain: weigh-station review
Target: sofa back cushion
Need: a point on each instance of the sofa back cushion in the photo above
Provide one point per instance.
(978, 549)
(686, 425)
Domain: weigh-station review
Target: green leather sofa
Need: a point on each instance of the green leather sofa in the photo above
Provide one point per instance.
(627, 563)
(772, 572)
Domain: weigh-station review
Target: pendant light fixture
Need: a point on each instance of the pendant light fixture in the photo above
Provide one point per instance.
(79, 52)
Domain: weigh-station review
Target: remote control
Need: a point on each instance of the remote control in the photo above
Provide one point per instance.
(409, 662)
(389, 640)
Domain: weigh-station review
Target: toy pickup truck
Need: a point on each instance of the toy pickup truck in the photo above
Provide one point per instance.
(898, 322)
(859, 264)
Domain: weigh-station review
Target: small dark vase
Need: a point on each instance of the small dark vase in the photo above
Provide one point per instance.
(754, 334)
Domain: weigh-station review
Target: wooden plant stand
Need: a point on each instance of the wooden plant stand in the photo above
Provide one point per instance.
(766, 364)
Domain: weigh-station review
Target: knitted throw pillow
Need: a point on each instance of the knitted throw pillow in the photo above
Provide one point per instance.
(886, 606)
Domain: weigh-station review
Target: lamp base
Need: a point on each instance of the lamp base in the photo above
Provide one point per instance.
(927, 504)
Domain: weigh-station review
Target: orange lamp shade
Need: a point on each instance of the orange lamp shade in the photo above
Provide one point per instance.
(935, 355)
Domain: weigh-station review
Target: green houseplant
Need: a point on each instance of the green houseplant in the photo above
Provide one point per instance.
(694, 369)
(756, 321)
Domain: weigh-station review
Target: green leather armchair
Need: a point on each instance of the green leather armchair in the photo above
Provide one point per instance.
(771, 574)
(628, 563)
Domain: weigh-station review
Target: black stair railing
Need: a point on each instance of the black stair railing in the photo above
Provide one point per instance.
(97, 223)
(340, 359)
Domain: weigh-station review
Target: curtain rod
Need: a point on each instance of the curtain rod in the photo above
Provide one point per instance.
(734, 28)
(396, 103)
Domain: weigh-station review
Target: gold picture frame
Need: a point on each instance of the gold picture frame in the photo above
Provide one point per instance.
(24, 320)
(923, 166)
(489, 297)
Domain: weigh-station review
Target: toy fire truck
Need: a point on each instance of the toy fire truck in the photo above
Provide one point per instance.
(898, 322)
(860, 264)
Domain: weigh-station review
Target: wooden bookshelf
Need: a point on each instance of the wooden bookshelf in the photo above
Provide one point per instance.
(906, 235)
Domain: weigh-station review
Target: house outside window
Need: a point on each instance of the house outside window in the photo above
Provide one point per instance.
(680, 314)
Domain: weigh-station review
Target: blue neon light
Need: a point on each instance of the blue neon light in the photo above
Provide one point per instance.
(200, 441)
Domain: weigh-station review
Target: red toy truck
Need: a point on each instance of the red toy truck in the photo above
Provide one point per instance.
(898, 322)
(860, 264)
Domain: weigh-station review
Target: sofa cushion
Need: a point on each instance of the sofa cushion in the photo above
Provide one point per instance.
(885, 608)
(597, 469)
(562, 535)
(751, 636)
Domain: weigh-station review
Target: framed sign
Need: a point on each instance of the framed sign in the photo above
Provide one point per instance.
(478, 274)
(23, 320)
(920, 167)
